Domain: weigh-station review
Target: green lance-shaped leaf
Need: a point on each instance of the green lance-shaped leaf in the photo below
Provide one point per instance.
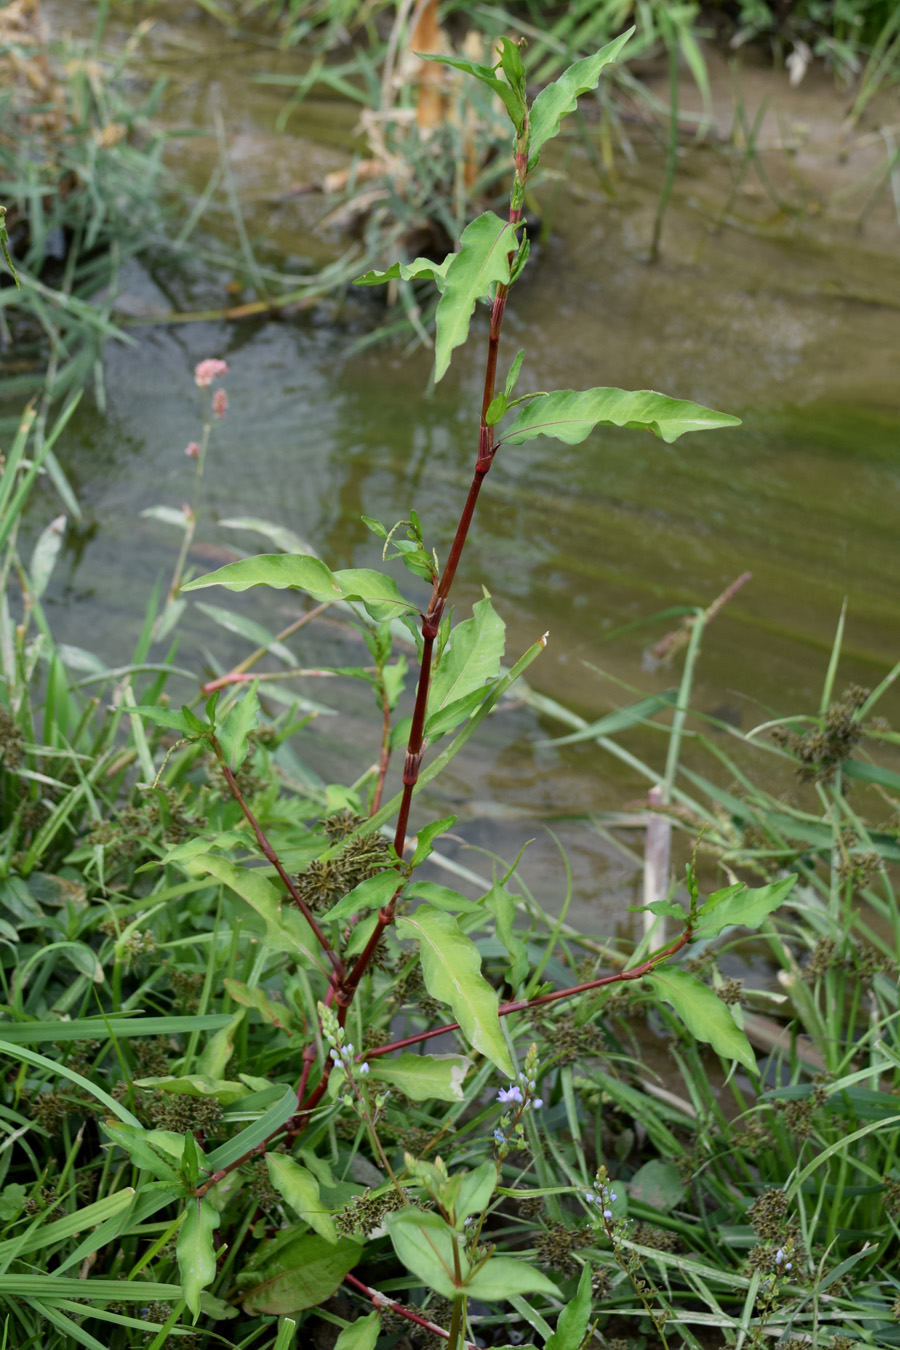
(451, 967)
(513, 99)
(426, 836)
(482, 260)
(360, 1335)
(400, 271)
(196, 1251)
(242, 717)
(197, 1085)
(158, 1152)
(503, 1277)
(219, 1048)
(286, 928)
(369, 894)
(423, 1077)
(468, 663)
(570, 415)
(561, 97)
(703, 1013)
(571, 1328)
(302, 1274)
(738, 905)
(425, 1244)
(290, 571)
(299, 1188)
(475, 1191)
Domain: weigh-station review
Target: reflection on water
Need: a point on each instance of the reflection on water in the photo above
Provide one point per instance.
(794, 331)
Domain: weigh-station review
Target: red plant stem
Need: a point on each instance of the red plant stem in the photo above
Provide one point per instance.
(272, 857)
(381, 1301)
(432, 618)
(298, 1121)
(520, 1005)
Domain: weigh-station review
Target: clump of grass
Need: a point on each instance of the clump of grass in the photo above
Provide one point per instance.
(81, 183)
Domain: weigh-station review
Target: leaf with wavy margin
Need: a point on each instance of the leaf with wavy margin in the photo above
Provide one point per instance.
(451, 967)
(483, 258)
(570, 415)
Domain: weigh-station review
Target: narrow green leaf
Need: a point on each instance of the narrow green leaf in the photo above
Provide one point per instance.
(451, 967)
(286, 929)
(669, 908)
(168, 718)
(246, 628)
(283, 571)
(621, 719)
(442, 897)
(514, 370)
(496, 410)
(361, 1334)
(241, 719)
(98, 1028)
(302, 1274)
(190, 1160)
(570, 415)
(571, 1328)
(369, 894)
(872, 773)
(399, 271)
(427, 835)
(483, 259)
(196, 1085)
(561, 97)
(148, 1149)
(195, 1250)
(426, 1243)
(458, 710)
(280, 535)
(475, 1191)
(276, 1014)
(504, 1276)
(51, 1285)
(703, 1013)
(219, 1048)
(423, 1077)
(299, 1188)
(46, 1234)
(738, 905)
(512, 67)
(502, 905)
(513, 99)
(57, 1069)
(276, 1116)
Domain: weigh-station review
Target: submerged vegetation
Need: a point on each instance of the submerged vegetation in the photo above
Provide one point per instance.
(277, 1072)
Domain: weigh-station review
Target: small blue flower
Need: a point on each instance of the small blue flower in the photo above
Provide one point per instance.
(511, 1094)
(779, 1256)
(590, 1197)
(538, 1103)
(607, 1214)
(613, 1196)
(500, 1136)
(363, 1068)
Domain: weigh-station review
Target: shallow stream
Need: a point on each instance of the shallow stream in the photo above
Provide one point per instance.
(786, 312)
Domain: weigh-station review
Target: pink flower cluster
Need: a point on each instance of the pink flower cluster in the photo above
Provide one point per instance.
(207, 371)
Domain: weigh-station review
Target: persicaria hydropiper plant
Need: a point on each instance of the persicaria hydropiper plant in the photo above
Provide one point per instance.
(352, 931)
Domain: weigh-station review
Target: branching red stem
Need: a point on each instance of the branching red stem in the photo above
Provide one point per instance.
(272, 857)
